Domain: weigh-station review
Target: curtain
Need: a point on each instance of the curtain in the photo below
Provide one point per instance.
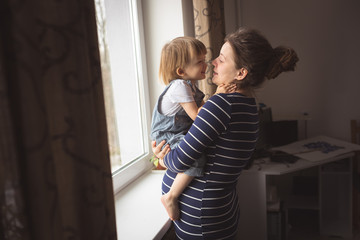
(55, 175)
(210, 29)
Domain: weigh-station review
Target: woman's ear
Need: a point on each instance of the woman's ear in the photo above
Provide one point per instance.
(180, 72)
(241, 74)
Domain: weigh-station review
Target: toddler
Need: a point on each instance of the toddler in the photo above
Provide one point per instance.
(182, 63)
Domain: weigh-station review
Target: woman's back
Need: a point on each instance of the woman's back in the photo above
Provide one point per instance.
(209, 206)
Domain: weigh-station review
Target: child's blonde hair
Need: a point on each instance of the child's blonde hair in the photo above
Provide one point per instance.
(178, 54)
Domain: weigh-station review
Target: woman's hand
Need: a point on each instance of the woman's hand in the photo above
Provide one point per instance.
(160, 153)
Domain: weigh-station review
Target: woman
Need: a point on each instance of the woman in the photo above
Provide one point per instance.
(226, 129)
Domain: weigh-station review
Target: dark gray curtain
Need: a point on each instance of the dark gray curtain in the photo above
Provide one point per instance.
(55, 177)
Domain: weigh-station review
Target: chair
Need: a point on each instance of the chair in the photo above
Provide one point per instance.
(355, 138)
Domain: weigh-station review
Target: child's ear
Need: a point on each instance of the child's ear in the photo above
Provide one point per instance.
(241, 74)
(180, 72)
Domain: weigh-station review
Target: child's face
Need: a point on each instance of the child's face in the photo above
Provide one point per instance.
(196, 69)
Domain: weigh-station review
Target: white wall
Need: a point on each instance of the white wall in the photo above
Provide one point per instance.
(163, 21)
(326, 36)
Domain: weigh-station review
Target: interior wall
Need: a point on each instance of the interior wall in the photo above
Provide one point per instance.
(163, 21)
(324, 34)
(326, 82)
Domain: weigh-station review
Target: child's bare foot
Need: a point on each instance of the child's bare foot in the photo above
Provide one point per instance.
(171, 206)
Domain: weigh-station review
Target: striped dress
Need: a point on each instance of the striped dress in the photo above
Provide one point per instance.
(226, 129)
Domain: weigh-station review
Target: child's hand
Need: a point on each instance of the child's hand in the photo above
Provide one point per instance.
(226, 88)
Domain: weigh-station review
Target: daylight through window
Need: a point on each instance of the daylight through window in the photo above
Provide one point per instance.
(123, 80)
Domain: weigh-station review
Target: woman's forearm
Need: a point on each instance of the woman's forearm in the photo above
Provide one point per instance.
(210, 123)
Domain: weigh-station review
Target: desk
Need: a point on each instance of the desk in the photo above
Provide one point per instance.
(252, 188)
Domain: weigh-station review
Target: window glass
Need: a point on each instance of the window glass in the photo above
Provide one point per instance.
(122, 62)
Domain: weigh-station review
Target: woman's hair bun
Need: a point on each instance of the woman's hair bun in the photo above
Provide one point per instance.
(284, 59)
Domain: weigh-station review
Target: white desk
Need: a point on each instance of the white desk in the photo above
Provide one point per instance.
(252, 188)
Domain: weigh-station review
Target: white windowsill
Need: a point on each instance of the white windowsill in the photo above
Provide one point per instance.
(139, 212)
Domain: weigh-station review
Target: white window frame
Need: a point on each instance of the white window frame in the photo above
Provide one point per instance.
(136, 167)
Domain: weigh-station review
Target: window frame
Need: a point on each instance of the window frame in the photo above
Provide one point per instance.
(136, 167)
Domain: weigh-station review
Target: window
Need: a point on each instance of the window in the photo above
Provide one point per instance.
(124, 76)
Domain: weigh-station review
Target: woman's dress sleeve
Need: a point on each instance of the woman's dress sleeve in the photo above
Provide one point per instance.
(212, 120)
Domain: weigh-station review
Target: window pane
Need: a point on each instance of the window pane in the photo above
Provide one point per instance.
(118, 47)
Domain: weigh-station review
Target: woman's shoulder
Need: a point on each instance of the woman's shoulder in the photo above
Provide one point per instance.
(226, 102)
(226, 97)
(233, 98)
(218, 102)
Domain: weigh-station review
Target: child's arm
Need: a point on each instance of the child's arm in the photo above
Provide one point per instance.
(190, 108)
(226, 88)
(202, 103)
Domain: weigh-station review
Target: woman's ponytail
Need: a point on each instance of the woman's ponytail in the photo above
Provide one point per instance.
(284, 59)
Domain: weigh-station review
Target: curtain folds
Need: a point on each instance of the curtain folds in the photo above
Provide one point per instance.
(210, 29)
(55, 175)
(13, 223)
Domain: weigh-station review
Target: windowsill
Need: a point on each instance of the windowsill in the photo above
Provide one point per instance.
(139, 212)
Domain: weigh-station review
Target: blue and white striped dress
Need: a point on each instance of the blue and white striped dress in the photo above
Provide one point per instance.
(226, 129)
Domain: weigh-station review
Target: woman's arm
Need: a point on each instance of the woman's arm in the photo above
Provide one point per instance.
(212, 120)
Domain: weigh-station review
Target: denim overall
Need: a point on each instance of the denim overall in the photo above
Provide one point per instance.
(173, 128)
